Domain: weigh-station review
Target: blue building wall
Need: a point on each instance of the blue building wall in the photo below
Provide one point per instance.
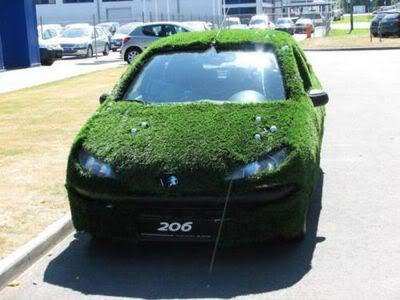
(18, 31)
(1, 56)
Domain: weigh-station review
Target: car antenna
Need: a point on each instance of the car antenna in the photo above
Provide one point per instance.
(221, 223)
(222, 25)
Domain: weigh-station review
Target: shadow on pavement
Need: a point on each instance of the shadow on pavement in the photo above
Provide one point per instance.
(101, 62)
(181, 271)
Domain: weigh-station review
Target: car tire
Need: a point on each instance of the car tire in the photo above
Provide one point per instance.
(106, 50)
(131, 53)
(114, 50)
(47, 62)
(89, 52)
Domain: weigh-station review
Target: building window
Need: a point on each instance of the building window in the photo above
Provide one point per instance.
(241, 11)
(45, 1)
(239, 1)
(76, 1)
(115, 0)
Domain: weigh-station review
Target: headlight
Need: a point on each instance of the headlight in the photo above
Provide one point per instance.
(95, 166)
(270, 163)
(80, 45)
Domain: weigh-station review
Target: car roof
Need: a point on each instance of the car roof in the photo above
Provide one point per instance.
(260, 17)
(235, 37)
(223, 40)
(166, 23)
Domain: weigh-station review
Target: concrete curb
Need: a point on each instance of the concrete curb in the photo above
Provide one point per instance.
(16, 263)
(351, 49)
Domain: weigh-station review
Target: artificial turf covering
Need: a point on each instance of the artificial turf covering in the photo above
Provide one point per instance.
(201, 143)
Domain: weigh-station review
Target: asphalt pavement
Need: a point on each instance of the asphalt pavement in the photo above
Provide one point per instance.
(352, 248)
(67, 67)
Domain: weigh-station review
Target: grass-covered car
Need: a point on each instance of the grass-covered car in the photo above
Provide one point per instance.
(195, 114)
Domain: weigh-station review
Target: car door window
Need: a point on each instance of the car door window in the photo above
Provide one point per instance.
(154, 30)
(169, 30)
(180, 29)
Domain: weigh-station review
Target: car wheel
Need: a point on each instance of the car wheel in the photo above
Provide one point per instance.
(299, 236)
(106, 50)
(114, 50)
(89, 52)
(131, 54)
(47, 62)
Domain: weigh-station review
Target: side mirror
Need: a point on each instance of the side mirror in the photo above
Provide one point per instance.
(318, 97)
(104, 97)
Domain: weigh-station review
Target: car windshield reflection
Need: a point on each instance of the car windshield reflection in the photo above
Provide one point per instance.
(242, 76)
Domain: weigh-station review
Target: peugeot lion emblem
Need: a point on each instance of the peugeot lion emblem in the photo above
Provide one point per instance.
(170, 181)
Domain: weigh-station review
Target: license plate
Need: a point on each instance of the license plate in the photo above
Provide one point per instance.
(178, 229)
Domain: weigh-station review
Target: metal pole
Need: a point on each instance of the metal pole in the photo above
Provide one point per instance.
(168, 12)
(95, 37)
(143, 10)
(213, 9)
(156, 9)
(98, 10)
(41, 25)
(351, 16)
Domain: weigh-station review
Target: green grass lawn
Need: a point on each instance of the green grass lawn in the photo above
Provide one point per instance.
(346, 19)
(354, 32)
(358, 38)
(37, 126)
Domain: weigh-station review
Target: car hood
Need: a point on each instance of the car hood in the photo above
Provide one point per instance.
(79, 40)
(198, 143)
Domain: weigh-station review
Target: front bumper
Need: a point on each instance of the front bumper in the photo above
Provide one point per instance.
(74, 51)
(50, 54)
(248, 218)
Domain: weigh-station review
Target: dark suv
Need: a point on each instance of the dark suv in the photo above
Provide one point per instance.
(390, 25)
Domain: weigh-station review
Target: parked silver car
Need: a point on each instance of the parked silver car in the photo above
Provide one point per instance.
(121, 34)
(143, 35)
(84, 41)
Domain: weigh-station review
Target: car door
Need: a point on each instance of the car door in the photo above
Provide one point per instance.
(151, 33)
(180, 29)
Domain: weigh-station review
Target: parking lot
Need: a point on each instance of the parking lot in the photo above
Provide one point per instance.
(352, 247)
(67, 67)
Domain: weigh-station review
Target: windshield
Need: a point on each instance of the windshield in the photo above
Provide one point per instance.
(257, 21)
(283, 21)
(76, 32)
(243, 76)
(390, 16)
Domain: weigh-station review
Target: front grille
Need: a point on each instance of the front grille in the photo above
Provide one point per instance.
(68, 45)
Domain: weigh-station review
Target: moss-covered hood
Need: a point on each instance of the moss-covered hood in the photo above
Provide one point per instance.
(199, 143)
